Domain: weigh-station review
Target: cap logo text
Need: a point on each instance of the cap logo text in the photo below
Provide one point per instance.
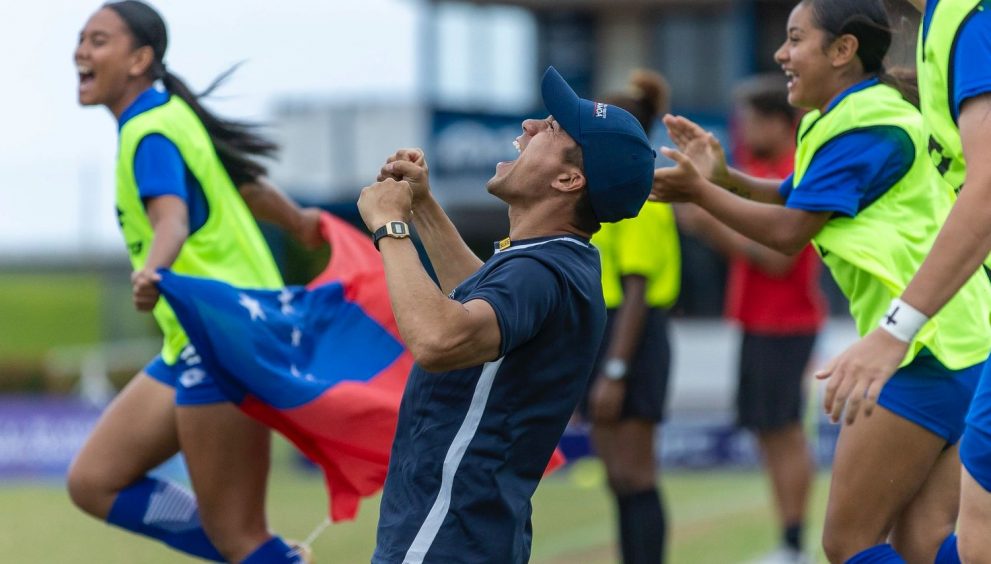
(600, 110)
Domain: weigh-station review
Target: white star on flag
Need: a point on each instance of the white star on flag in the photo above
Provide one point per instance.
(297, 336)
(254, 308)
(295, 372)
(285, 297)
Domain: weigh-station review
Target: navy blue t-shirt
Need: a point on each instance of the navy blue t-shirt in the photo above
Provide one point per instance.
(972, 55)
(158, 166)
(472, 444)
(853, 170)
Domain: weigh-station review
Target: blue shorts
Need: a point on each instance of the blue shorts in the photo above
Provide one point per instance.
(975, 449)
(934, 397)
(193, 384)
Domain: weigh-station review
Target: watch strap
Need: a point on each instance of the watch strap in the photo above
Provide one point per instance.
(394, 229)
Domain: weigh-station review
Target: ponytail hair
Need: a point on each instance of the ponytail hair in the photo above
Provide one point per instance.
(868, 21)
(238, 144)
(905, 80)
(647, 97)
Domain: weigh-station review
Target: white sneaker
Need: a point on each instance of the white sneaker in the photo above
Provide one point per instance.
(784, 555)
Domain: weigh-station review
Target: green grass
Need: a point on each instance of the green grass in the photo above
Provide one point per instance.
(716, 517)
(45, 310)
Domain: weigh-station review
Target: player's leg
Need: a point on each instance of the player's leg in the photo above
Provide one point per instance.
(627, 451)
(227, 454)
(879, 466)
(228, 458)
(627, 447)
(927, 521)
(974, 527)
(108, 480)
(884, 462)
(770, 399)
(790, 469)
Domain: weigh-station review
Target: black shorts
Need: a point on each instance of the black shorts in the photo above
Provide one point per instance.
(771, 392)
(647, 376)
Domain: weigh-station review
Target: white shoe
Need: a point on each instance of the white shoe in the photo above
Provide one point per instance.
(784, 555)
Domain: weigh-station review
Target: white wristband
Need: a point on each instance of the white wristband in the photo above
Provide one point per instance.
(903, 321)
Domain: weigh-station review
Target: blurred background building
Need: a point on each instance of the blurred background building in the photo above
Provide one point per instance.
(465, 73)
(478, 77)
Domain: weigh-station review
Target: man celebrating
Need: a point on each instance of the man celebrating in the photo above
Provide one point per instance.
(504, 348)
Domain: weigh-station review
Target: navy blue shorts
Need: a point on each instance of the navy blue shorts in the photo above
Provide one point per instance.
(771, 391)
(193, 384)
(648, 376)
(927, 393)
(975, 449)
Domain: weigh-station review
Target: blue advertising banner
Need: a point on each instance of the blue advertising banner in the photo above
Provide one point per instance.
(40, 435)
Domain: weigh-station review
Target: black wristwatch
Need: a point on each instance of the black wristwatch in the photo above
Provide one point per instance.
(394, 229)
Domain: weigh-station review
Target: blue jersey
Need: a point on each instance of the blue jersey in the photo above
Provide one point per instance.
(971, 73)
(158, 166)
(472, 444)
(852, 171)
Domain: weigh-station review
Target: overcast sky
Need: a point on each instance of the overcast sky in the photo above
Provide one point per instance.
(57, 158)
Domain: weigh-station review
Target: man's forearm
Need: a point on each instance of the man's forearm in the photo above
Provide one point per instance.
(438, 331)
(450, 256)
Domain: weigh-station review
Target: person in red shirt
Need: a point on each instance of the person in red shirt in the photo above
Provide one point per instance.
(777, 301)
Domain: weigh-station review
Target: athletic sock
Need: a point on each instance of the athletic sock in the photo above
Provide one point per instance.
(642, 527)
(163, 510)
(948, 551)
(880, 554)
(273, 551)
(793, 537)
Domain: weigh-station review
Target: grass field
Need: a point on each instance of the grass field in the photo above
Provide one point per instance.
(41, 310)
(716, 517)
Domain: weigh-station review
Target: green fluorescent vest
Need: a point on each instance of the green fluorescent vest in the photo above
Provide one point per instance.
(645, 245)
(874, 255)
(934, 58)
(228, 247)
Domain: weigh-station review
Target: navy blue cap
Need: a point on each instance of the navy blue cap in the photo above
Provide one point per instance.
(619, 163)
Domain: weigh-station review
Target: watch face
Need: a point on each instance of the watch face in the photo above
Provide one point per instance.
(398, 229)
(614, 369)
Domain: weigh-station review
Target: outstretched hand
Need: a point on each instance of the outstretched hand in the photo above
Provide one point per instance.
(700, 146)
(678, 183)
(409, 165)
(858, 374)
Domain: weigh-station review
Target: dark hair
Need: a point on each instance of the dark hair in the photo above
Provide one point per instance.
(766, 94)
(236, 142)
(647, 97)
(868, 21)
(585, 217)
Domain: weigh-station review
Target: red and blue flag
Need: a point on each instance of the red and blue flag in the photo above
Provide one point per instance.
(323, 365)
